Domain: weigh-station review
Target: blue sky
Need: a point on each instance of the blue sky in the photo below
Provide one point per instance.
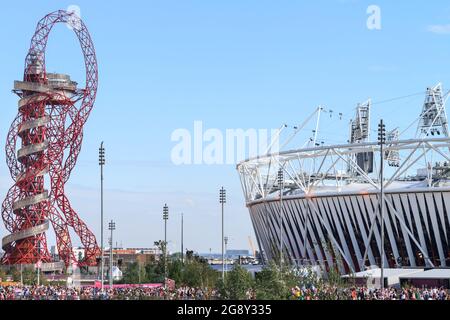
(231, 64)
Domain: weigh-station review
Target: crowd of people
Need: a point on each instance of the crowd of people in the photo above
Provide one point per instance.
(364, 293)
(50, 292)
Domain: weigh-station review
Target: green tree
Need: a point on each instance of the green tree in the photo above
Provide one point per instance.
(175, 271)
(154, 273)
(275, 284)
(30, 277)
(238, 282)
(131, 274)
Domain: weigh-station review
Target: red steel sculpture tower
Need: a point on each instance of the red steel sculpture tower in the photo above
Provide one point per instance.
(42, 147)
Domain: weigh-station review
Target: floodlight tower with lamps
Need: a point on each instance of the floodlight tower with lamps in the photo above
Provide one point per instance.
(223, 200)
(101, 162)
(111, 227)
(381, 142)
(280, 179)
(165, 218)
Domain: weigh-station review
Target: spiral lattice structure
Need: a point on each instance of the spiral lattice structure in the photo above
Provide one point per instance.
(42, 148)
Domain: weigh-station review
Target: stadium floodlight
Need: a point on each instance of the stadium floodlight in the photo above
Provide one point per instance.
(101, 162)
(382, 142)
(223, 200)
(280, 179)
(111, 227)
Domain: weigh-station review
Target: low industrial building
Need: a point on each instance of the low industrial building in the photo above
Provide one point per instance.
(372, 278)
(434, 278)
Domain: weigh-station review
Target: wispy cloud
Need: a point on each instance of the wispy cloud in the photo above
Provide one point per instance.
(439, 28)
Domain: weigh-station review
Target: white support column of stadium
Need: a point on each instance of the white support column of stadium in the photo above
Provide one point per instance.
(306, 191)
(440, 210)
(275, 228)
(446, 203)
(289, 241)
(369, 237)
(412, 200)
(351, 162)
(362, 223)
(306, 226)
(396, 201)
(368, 179)
(398, 216)
(310, 232)
(424, 252)
(410, 233)
(289, 245)
(347, 219)
(345, 246)
(292, 222)
(257, 184)
(437, 234)
(271, 220)
(330, 233)
(261, 231)
(255, 228)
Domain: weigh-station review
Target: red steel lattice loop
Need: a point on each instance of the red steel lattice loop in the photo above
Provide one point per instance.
(52, 113)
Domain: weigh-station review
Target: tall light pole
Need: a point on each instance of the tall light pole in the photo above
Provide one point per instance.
(280, 179)
(381, 142)
(111, 227)
(165, 218)
(101, 162)
(182, 238)
(223, 200)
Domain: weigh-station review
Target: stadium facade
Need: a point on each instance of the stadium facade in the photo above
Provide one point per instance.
(320, 205)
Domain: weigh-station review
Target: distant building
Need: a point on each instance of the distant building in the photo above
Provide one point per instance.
(122, 257)
(235, 254)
